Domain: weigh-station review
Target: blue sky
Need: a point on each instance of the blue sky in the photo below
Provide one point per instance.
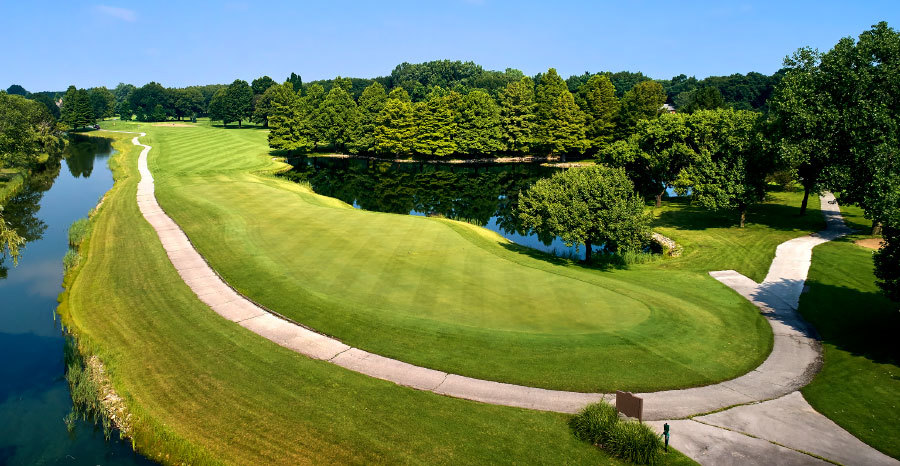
(49, 45)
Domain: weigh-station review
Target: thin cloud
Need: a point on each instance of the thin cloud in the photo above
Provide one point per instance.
(123, 14)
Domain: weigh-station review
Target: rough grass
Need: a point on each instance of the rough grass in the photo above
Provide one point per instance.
(204, 390)
(859, 385)
(445, 294)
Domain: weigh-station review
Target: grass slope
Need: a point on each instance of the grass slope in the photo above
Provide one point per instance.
(859, 385)
(445, 294)
(204, 390)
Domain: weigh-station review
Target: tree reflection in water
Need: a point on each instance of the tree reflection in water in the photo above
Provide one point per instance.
(475, 194)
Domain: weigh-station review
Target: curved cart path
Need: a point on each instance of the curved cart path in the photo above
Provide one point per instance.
(795, 357)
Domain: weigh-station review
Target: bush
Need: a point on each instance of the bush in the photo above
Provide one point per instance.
(594, 422)
(70, 260)
(599, 424)
(635, 442)
(78, 231)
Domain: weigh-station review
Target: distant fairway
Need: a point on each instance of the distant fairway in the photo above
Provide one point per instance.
(444, 294)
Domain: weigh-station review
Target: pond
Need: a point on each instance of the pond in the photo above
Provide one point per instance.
(485, 195)
(34, 395)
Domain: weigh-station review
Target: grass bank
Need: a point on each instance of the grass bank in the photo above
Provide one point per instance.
(445, 294)
(203, 390)
(859, 385)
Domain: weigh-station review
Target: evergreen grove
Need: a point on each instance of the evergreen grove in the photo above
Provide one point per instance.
(527, 116)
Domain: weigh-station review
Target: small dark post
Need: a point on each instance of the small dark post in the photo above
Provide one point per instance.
(666, 435)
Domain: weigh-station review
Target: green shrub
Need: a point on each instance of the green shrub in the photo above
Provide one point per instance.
(594, 422)
(78, 231)
(70, 260)
(599, 424)
(635, 442)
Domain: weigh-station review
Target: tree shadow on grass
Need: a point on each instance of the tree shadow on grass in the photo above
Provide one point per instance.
(599, 261)
(862, 323)
(236, 127)
(774, 216)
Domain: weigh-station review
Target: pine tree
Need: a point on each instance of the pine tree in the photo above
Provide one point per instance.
(395, 128)
(479, 127)
(436, 125)
(517, 116)
(315, 95)
(288, 127)
(371, 102)
(597, 99)
(77, 110)
(560, 126)
(339, 117)
(642, 102)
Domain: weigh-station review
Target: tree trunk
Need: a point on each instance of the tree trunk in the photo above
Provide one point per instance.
(876, 229)
(563, 157)
(659, 199)
(743, 215)
(239, 124)
(805, 200)
(587, 252)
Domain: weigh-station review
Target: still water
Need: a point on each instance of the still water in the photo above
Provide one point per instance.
(34, 395)
(485, 195)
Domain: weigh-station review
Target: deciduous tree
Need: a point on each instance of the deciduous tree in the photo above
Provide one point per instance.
(592, 206)
(728, 165)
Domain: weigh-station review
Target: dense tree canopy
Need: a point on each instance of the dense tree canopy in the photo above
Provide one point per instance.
(837, 121)
(517, 115)
(593, 205)
(77, 111)
(597, 99)
(560, 123)
(103, 102)
(728, 164)
(371, 102)
(655, 154)
(260, 84)
(232, 103)
(27, 130)
(642, 102)
(705, 98)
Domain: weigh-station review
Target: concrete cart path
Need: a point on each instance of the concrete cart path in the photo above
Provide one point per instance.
(795, 357)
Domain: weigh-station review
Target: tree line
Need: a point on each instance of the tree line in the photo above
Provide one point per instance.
(528, 116)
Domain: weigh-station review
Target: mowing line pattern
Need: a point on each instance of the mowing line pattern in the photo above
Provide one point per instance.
(782, 372)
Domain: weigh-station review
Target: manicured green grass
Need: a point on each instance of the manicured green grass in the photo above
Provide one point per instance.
(859, 385)
(444, 294)
(202, 389)
(713, 241)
